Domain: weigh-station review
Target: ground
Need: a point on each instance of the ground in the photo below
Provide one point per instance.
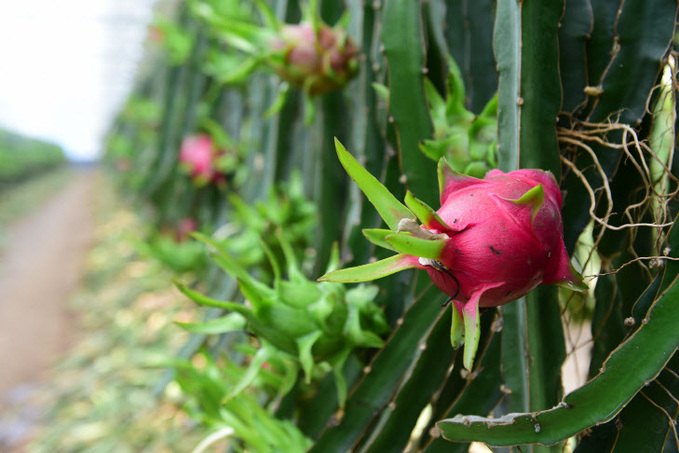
(40, 266)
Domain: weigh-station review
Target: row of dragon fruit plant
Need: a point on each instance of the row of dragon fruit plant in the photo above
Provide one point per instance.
(22, 157)
(280, 136)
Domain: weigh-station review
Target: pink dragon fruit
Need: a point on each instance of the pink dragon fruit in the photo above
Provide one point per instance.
(492, 241)
(499, 238)
(319, 61)
(198, 155)
(503, 237)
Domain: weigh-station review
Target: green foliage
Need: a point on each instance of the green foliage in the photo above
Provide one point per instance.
(180, 256)
(22, 157)
(209, 389)
(567, 86)
(317, 324)
(467, 141)
(285, 211)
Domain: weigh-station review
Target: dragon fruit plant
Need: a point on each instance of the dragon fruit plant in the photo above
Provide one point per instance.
(316, 58)
(172, 246)
(198, 156)
(492, 241)
(467, 141)
(176, 41)
(317, 324)
(213, 394)
(310, 55)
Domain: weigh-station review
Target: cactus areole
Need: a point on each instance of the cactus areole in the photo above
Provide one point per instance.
(492, 241)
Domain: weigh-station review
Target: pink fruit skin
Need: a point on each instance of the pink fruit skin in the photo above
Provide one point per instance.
(500, 249)
(197, 155)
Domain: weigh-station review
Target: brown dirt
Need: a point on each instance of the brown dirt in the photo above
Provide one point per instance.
(40, 267)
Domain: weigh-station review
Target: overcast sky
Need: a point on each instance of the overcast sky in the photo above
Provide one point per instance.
(66, 66)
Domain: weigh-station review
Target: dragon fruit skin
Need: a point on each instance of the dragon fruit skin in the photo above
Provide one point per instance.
(504, 240)
(198, 155)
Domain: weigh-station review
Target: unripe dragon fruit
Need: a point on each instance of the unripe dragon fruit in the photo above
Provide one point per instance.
(318, 61)
(492, 241)
(198, 155)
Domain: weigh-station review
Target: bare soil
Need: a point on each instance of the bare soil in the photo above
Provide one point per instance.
(40, 267)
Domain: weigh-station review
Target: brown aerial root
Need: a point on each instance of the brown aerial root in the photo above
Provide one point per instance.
(596, 132)
(636, 152)
(581, 139)
(654, 262)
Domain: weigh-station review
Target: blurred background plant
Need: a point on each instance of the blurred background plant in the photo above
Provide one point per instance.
(30, 171)
(22, 157)
(101, 394)
(278, 362)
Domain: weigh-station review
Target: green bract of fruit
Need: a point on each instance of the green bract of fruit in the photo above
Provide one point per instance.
(318, 323)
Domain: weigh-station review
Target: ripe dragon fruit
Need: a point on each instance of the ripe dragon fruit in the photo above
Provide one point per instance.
(317, 60)
(198, 155)
(503, 236)
(492, 241)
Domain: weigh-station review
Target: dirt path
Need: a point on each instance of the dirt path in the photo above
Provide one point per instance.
(39, 268)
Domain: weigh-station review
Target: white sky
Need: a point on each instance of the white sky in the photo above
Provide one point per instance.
(66, 66)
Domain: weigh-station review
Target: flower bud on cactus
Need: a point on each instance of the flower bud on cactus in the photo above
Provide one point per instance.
(198, 155)
(318, 61)
(492, 241)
